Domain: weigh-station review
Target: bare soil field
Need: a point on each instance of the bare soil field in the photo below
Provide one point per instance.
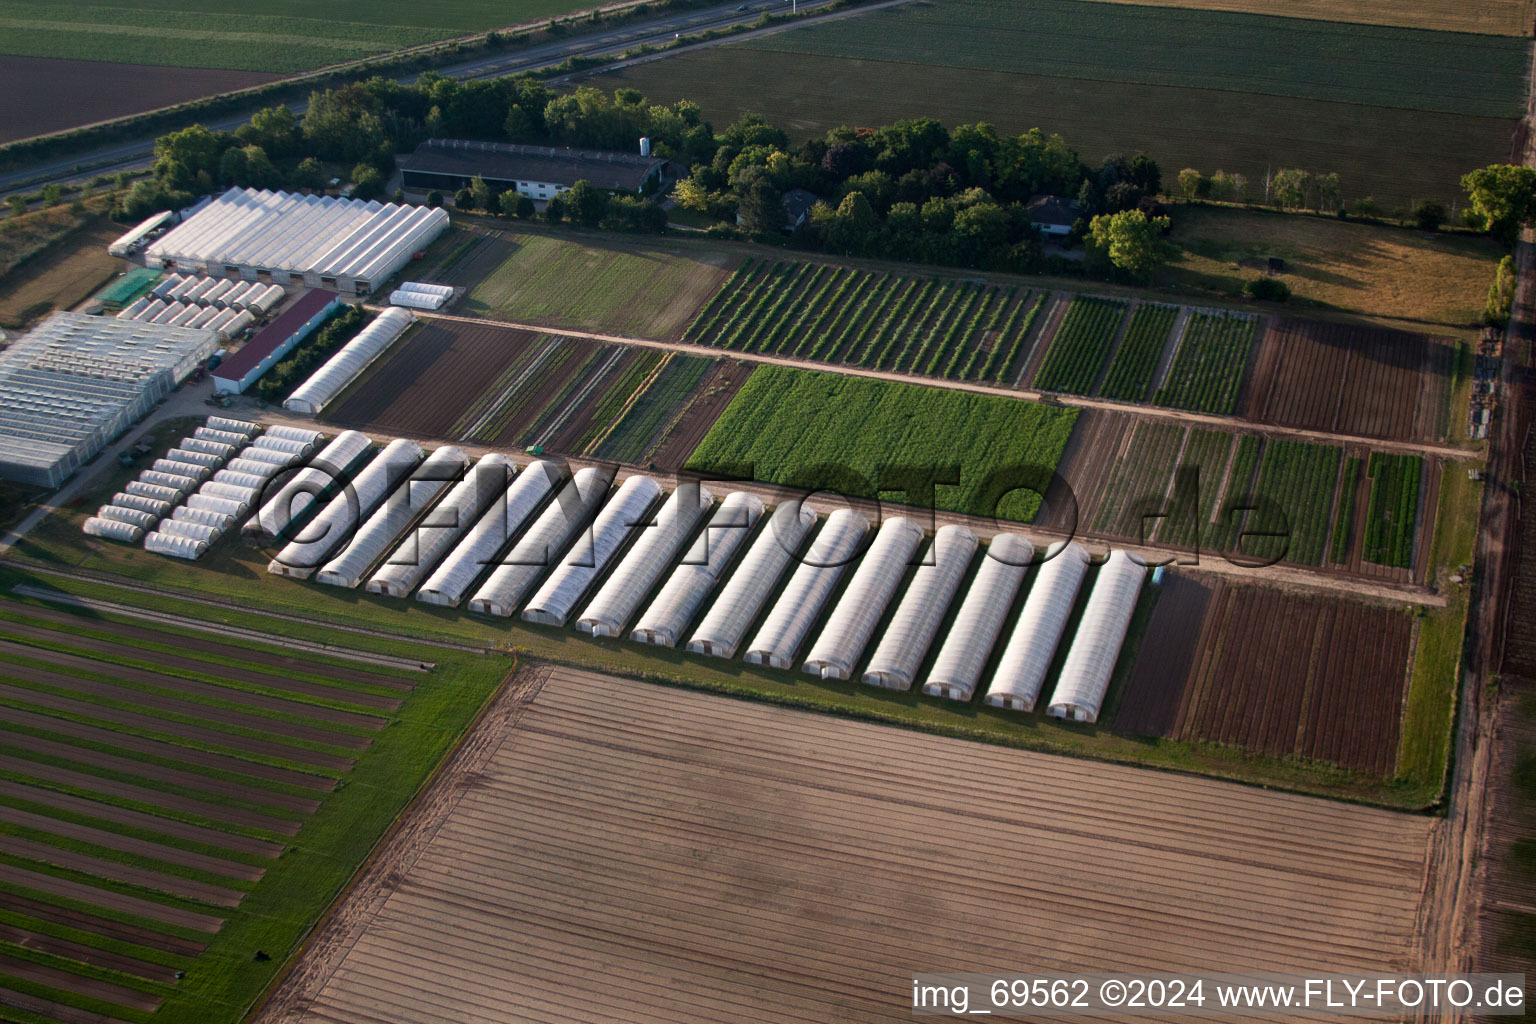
(600, 846)
(684, 432)
(1287, 674)
(1520, 643)
(1367, 381)
(1150, 705)
(429, 380)
(49, 94)
(1492, 17)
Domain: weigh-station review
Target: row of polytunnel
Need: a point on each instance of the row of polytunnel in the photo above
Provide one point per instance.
(718, 576)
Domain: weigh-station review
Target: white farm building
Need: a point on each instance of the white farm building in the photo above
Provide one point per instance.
(75, 382)
(347, 245)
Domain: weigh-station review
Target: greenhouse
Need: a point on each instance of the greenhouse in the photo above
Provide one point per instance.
(407, 502)
(76, 382)
(533, 555)
(859, 610)
(594, 549)
(1095, 648)
(812, 583)
(1027, 655)
(699, 572)
(753, 581)
(652, 553)
(973, 634)
(348, 245)
(343, 367)
(441, 528)
(504, 520)
(290, 507)
(896, 660)
(314, 544)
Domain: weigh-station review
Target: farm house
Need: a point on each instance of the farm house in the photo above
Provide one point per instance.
(911, 631)
(426, 545)
(1096, 646)
(313, 545)
(624, 513)
(342, 368)
(538, 172)
(973, 634)
(75, 382)
(406, 503)
(531, 557)
(1027, 655)
(753, 581)
(651, 555)
(504, 520)
(276, 340)
(801, 600)
(347, 245)
(859, 610)
(700, 571)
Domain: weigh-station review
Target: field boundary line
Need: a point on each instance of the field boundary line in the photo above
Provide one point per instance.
(493, 407)
(575, 401)
(164, 618)
(977, 387)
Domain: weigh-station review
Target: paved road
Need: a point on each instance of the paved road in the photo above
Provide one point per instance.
(139, 153)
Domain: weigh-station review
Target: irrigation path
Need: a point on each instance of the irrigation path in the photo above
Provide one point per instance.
(1073, 401)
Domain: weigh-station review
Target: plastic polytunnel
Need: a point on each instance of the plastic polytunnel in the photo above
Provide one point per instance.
(504, 520)
(753, 581)
(318, 539)
(177, 481)
(251, 467)
(700, 570)
(154, 506)
(339, 370)
(112, 529)
(1091, 659)
(978, 622)
(302, 434)
(298, 498)
(538, 549)
(1027, 655)
(277, 457)
(800, 602)
(138, 517)
(432, 538)
(912, 628)
(220, 521)
(405, 506)
(553, 603)
(282, 446)
(146, 489)
(215, 434)
(172, 467)
(862, 605)
(188, 528)
(224, 506)
(647, 560)
(175, 546)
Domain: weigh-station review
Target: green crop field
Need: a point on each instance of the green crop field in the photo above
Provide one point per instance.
(1246, 53)
(1376, 144)
(180, 807)
(1393, 511)
(820, 430)
(609, 284)
(1299, 478)
(1081, 345)
(1207, 371)
(264, 35)
(958, 330)
(1131, 371)
(1344, 518)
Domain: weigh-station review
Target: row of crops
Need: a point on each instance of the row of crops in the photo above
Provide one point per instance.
(957, 330)
(1392, 514)
(1207, 370)
(1081, 345)
(1137, 492)
(1298, 479)
(646, 416)
(1344, 518)
(1135, 363)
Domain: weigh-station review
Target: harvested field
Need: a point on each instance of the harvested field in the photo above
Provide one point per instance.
(62, 278)
(601, 282)
(53, 94)
(151, 782)
(693, 421)
(1255, 685)
(1350, 379)
(1155, 689)
(428, 380)
(623, 842)
(1398, 156)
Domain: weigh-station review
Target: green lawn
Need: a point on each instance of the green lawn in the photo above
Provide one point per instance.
(858, 436)
(264, 35)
